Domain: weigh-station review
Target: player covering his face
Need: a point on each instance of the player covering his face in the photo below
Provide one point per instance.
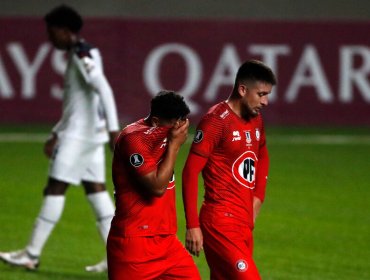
(142, 242)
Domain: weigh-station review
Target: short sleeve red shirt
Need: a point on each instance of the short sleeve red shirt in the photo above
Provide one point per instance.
(232, 147)
(138, 151)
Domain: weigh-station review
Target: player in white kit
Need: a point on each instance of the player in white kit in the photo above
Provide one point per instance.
(76, 145)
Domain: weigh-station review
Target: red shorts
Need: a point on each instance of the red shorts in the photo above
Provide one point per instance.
(228, 250)
(156, 257)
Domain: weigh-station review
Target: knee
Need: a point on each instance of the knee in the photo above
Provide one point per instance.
(55, 187)
(91, 188)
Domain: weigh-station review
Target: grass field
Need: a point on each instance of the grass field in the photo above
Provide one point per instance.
(315, 223)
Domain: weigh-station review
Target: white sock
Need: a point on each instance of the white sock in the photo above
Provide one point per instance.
(103, 207)
(49, 215)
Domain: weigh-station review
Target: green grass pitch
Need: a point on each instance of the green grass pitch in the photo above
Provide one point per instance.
(315, 223)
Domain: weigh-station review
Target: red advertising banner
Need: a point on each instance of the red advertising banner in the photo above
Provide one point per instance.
(323, 68)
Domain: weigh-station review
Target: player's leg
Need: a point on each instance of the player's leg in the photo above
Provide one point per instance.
(49, 215)
(102, 205)
(66, 167)
(228, 252)
(99, 198)
(103, 208)
(52, 206)
(180, 263)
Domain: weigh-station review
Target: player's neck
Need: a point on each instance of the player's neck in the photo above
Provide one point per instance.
(234, 106)
(237, 108)
(148, 120)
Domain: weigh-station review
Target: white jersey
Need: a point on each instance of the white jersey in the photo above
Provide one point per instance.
(89, 110)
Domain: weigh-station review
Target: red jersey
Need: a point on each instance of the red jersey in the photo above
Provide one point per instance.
(237, 163)
(138, 150)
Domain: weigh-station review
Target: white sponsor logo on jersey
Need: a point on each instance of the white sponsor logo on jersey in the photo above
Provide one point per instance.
(236, 136)
(224, 114)
(244, 169)
(171, 183)
(150, 130)
(164, 143)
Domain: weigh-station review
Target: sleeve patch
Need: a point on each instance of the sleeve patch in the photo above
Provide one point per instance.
(198, 136)
(136, 160)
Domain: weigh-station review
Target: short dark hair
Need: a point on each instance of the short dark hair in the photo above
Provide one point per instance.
(169, 105)
(254, 70)
(66, 17)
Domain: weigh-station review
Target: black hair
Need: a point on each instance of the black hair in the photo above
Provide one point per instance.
(254, 70)
(66, 17)
(169, 105)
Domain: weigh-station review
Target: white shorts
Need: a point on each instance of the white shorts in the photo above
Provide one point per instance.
(74, 161)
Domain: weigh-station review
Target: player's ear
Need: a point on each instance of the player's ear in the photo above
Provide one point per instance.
(242, 90)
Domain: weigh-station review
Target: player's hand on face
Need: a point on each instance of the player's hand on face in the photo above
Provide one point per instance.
(194, 241)
(179, 132)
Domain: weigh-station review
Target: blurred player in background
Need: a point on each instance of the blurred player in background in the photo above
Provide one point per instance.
(229, 148)
(76, 145)
(142, 242)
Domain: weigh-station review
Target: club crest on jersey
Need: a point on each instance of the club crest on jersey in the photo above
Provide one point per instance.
(136, 160)
(248, 138)
(198, 136)
(258, 134)
(244, 169)
(241, 265)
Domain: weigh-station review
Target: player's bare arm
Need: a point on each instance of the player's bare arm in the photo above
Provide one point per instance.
(112, 139)
(257, 203)
(156, 181)
(193, 236)
(194, 241)
(49, 144)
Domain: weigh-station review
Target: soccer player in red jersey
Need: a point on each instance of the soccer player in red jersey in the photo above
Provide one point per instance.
(229, 148)
(142, 242)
